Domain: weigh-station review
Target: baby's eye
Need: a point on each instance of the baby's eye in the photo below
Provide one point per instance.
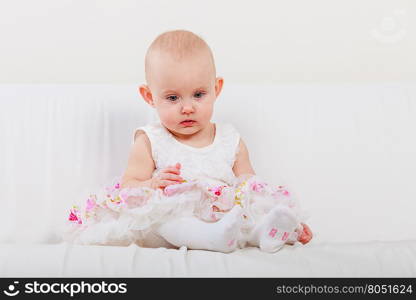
(199, 94)
(172, 98)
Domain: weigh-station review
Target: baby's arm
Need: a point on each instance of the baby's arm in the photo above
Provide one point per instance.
(242, 163)
(140, 167)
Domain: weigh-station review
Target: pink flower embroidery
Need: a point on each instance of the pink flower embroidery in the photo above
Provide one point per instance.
(91, 203)
(74, 215)
(113, 188)
(257, 186)
(217, 190)
(179, 187)
(273, 232)
(280, 191)
(285, 236)
(135, 197)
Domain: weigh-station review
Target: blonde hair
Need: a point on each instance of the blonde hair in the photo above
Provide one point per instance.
(178, 44)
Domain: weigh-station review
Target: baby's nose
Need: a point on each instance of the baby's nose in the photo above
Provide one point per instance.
(187, 108)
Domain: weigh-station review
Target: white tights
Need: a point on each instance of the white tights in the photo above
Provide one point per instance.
(270, 234)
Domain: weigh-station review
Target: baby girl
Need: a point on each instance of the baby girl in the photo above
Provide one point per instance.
(189, 181)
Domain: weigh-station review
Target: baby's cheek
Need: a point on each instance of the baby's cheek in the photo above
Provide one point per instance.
(205, 113)
(168, 119)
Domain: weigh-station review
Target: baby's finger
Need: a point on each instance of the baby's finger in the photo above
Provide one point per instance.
(165, 183)
(171, 170)
(169, 176)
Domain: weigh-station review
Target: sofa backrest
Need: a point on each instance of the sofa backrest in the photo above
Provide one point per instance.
(347, 151)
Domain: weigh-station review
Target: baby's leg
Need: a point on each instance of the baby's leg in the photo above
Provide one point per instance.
(274, 229)
(196, 234)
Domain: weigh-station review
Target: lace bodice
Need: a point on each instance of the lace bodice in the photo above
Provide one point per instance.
(213, 162)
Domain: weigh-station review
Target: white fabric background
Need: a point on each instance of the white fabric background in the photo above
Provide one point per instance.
(273, 41)
(346, 150)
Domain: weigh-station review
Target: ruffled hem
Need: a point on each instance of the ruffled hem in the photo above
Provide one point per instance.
(118, 216)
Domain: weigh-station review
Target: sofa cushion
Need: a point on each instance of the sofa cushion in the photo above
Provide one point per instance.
(367, 259)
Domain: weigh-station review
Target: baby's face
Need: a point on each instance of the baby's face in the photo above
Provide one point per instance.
(183, 90)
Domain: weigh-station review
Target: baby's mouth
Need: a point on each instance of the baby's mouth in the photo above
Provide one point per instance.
(188, 122)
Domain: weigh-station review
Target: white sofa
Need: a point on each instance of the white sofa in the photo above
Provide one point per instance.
(348, 151)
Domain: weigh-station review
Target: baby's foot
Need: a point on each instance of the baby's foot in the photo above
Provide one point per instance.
(276, 228)
(228, 230)
(305, 234)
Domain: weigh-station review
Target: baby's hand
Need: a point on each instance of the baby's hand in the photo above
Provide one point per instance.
(167, 176)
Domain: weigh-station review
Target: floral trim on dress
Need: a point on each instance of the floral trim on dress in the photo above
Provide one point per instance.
(138, 209)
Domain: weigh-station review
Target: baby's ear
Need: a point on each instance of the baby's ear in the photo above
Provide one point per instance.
(144, 90)
(219, 82)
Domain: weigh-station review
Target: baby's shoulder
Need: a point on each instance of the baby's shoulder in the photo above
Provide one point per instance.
(140, 136)
(228, 129)
(141, 141)
(147, 132)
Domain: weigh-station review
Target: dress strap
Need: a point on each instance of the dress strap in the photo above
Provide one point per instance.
(229, 142)
(158, 138)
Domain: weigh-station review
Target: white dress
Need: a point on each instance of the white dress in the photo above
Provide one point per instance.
(116, 216)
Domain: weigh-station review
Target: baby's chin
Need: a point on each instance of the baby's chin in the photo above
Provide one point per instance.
(182, 129)
(188, 130)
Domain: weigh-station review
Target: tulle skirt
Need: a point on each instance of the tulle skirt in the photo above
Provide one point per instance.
(121, 216)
